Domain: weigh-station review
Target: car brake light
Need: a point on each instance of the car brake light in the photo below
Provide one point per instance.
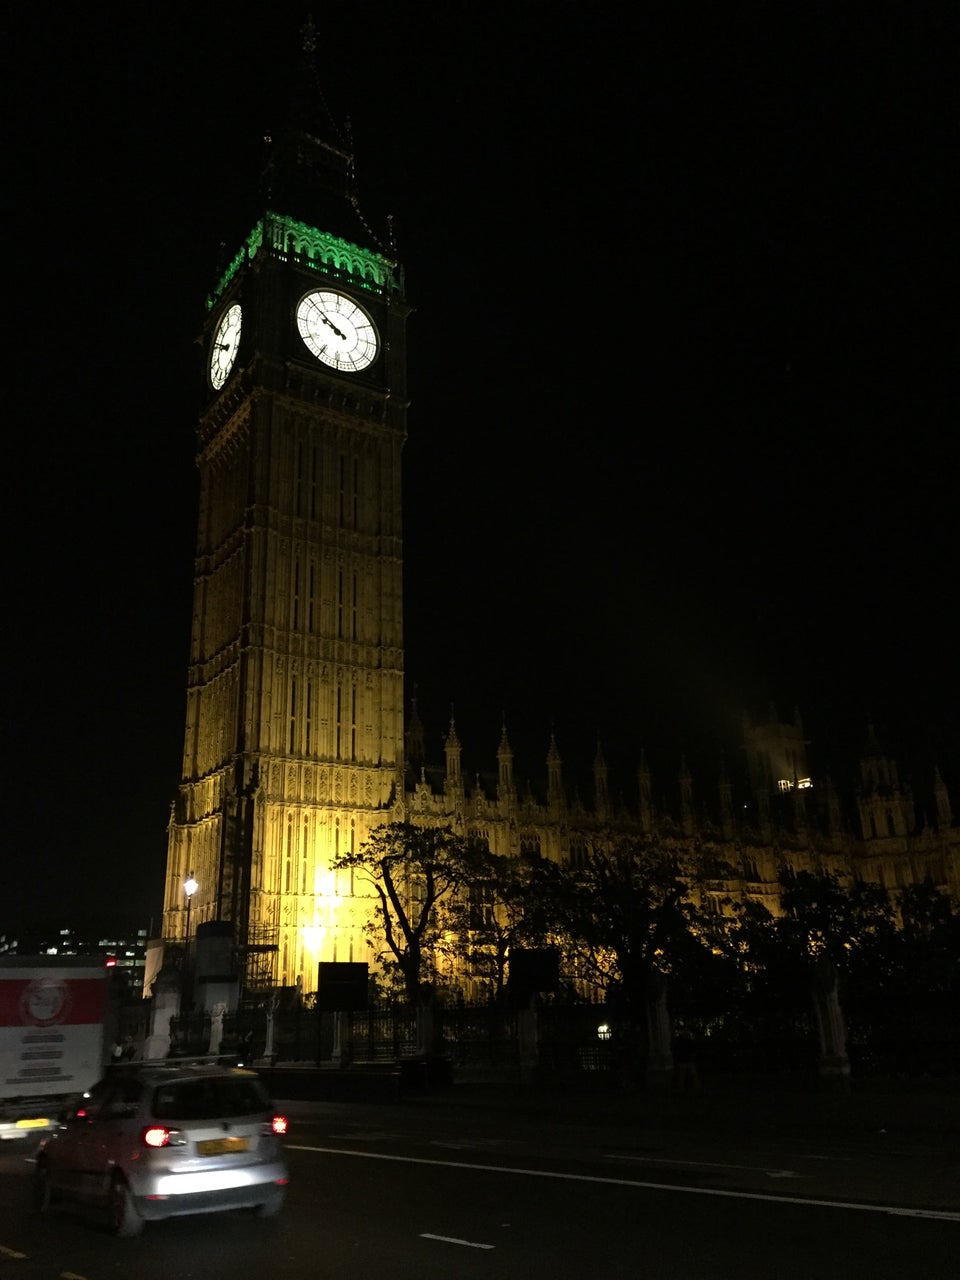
(279, 1124)
(156, 1136)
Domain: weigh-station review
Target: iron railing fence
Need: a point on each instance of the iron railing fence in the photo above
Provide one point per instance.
(484, 1036)
(566, 1039)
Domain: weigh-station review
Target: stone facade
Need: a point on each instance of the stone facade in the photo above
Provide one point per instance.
(778, 818)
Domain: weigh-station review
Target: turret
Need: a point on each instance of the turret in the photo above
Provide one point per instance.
(942, 796)
(506, 787)
(601, 792)
(686, 798)
(834, 821)
(799, 807)
(886, 808)
(451, 746)
(555, 798)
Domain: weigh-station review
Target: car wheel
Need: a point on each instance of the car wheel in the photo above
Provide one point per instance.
(124, 1219)
(270, 1208)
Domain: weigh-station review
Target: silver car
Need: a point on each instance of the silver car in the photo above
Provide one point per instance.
(154, 1141)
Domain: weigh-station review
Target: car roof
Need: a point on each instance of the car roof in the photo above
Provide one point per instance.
(166, 1070)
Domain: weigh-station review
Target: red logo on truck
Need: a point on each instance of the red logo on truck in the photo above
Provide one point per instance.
(45, 1002)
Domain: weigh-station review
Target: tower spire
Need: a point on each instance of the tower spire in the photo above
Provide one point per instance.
(452, 752)
(506, 788)
(309, 168)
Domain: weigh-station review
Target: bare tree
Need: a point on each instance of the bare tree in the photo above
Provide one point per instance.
(416, 873)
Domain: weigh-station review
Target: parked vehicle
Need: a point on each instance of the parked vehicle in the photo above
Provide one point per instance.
(52, 1011)
(161, 1139)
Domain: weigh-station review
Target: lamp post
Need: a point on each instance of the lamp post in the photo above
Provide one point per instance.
(190, 887)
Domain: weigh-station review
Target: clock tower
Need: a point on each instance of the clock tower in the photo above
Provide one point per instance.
(294, 720)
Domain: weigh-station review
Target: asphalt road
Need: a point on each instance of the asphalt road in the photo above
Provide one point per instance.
(479, 1184)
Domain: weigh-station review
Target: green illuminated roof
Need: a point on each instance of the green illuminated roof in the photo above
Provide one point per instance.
(284, 237)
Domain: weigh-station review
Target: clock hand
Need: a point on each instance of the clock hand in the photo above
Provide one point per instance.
(341, 336)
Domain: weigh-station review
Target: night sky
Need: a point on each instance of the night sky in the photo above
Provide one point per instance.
(682, 439)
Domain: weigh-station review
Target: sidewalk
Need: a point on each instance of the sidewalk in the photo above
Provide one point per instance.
(925, 1114)
(720, 1106)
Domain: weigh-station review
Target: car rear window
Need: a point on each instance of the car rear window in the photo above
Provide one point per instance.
(209, 1099)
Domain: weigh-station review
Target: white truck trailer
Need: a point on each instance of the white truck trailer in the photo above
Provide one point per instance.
(52, 1015)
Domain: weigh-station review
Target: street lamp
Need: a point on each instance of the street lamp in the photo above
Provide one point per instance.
(190, 887)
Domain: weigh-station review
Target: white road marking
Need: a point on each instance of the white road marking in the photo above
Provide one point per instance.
(468, 1145)
(710, 1164)
(385, 1136)
(468, 1244)
(900, 1211)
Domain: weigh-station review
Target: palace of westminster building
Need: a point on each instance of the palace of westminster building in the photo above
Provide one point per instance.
(295, 744)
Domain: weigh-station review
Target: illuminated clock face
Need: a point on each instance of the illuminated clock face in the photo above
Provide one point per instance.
(226, 340)
(337, 330)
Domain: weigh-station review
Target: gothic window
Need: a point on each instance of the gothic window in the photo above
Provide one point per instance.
(530, 846)
(293, 715)
(578, 854)
(481, 913)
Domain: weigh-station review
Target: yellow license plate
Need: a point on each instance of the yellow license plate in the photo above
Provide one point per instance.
(35, 1123)
(221, 1146)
